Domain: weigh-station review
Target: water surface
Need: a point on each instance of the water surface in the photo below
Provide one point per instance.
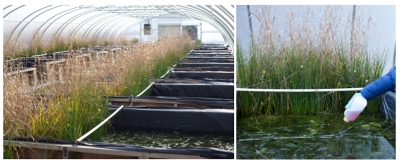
(168, 139)
(305, 136)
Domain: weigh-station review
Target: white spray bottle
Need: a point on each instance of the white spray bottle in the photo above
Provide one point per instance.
(358, 106)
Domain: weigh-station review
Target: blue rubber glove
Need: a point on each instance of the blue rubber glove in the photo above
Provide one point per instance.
(352, 100)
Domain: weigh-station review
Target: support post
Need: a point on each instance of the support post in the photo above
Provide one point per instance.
(65, 153)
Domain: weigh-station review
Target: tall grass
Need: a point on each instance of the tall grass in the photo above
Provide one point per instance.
(37, 46)
(303, 56)
(74, 103)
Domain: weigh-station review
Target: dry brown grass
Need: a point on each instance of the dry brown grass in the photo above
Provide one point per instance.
(13, 48)
(76, 83)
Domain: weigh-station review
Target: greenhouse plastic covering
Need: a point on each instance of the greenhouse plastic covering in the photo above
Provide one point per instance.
(24, 22)
(201, 151)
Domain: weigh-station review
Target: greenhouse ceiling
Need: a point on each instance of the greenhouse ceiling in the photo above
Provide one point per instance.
(111, 21)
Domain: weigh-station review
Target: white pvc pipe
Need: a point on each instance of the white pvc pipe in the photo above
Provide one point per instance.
(145, 89)
(140, 94)
(95, 128)
(298, 90)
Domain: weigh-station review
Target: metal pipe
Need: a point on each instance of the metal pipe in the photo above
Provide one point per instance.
(12, 11)
(25, 19)
(57, 19)
(95, 23)
(35, 18)
(77, 28)
(50, 19)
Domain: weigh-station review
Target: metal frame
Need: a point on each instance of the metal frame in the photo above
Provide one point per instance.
(98, 31)
(6, 7)
(23, 21)
(56, 20)
(77, 28)
(35, 18)
(12, 11)
(94, 24)
(111, 27)
(213, 20)
(50, 19)
(69, 21)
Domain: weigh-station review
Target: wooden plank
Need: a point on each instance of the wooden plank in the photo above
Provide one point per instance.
(31, 73)
(175, 80)
(204, 61)
(203, 69)
(90, 152)
(206, 50)
(21, 71)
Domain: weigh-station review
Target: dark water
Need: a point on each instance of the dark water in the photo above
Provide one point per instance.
(167, 139)
(291, 136)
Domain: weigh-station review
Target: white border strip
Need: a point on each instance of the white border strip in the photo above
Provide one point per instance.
(145, 89)
(95, 128)
(153, 83)
(298, 90)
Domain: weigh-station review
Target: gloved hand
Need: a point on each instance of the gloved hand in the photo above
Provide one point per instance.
(352, 100)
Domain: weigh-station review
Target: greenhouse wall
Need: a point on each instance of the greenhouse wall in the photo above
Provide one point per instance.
(205, 32)
(382, 17)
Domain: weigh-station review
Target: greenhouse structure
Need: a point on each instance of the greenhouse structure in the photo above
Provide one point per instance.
(133, 81)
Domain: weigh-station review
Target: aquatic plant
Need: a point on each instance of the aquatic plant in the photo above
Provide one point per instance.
(70, 100)
(315, 137)
(302, 55)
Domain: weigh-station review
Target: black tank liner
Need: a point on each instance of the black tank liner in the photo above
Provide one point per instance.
(200, 151)
(168, 101)
(30, 62)
(174, 119)
(222, 90)
(67, 54)
(194, 55)
(207, 61)
(202, 74)
(210, 51)
(210, 58)
(214, 47)
(231, 65)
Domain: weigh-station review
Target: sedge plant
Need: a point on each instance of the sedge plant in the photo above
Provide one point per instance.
(304, 56)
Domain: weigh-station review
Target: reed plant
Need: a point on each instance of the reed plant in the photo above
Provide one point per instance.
(304, 56)
(70, 100)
